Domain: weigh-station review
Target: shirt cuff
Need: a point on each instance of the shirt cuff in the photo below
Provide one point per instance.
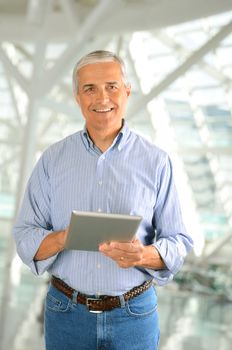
(28, 247)
(161, 277)
(40, 266)
(170, 254)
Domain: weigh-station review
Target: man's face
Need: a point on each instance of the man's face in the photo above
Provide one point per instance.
(102, 95)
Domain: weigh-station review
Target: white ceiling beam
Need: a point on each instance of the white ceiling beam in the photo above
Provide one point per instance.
(5, 162)
(132, 16)
(8, 123)
(14, 102)
(60, 107)
(204, 150)
(215, 247)
(119, 44)
(40, 45)
(38, 60)
(68, 58)
(144, 118)
(13, 71)
(66, 89)
(71, 14)
(36, 10)
(23, 51)
(214, 170)
(135, 74)
(5, 141)
(66, 63)
(27, 154)
(51, 120)
(16, 28)
(181, 49)
(182, 69)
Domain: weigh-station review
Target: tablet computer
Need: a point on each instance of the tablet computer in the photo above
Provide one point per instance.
(88, 229)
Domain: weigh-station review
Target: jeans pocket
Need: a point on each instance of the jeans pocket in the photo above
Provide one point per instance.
(142, 305)
(56, 301)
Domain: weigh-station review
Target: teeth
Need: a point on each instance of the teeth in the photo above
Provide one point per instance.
(103, 110)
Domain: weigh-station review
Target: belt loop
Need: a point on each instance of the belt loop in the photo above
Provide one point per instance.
(74, 297)
(122, 300)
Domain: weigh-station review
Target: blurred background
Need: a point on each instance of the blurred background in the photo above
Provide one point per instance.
(179, 60)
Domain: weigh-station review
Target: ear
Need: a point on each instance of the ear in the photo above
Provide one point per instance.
(128, 90)
(77, 98)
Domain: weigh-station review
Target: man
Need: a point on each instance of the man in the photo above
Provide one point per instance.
(103, 299)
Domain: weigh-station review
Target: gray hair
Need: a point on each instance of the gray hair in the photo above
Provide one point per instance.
(97, 57)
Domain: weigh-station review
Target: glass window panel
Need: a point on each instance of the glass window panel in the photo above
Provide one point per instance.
(224, 54)
(227, 71)
(227, 41)
(198, 78)
(185, 27)
(192, 40)
(3, 83)
(55, 50)
(220, 19)
(209, 96)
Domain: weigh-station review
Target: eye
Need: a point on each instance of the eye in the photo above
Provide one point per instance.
(89, 89)
(112, 87)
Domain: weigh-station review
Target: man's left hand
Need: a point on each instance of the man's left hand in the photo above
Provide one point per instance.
(126, 254)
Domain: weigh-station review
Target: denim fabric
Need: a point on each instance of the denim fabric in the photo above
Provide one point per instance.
(70, 326)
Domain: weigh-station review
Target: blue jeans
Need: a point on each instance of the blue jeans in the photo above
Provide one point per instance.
(70, 326)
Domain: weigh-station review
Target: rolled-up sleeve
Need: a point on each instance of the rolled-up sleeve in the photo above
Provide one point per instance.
(33, 223)
(172, 241)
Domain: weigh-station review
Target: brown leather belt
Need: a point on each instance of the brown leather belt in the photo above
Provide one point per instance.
(104, 302)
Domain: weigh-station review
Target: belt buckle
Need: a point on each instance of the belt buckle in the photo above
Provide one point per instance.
(88, 300)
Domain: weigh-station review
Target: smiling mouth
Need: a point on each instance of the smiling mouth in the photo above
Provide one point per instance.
(102, 110)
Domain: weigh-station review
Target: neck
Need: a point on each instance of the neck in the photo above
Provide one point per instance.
(103, 139)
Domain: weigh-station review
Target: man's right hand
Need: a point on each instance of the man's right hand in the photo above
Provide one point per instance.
(51, 245)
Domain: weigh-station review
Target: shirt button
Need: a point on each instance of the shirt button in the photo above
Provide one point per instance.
(98, 266)
(99, 210)
(100, 182)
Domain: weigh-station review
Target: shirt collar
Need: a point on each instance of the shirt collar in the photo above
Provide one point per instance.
(86, 139)
(119, 141)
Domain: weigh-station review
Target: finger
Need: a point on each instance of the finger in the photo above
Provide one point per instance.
(104, 247)
(117, 253)
(131, 253)
(126, 246)
(121, 257)
(126, 264)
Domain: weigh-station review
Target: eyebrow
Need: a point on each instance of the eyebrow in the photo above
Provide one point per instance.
(87, 85)
(107, 82)
(112, 82)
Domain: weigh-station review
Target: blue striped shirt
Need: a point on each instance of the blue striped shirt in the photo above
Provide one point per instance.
(132, 177)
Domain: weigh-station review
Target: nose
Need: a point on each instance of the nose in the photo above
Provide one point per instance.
(102, 95)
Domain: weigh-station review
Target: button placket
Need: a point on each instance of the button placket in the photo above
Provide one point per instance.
(99, 204)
